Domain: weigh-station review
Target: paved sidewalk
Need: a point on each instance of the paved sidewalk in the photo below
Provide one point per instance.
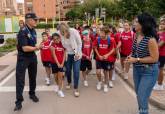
(157, 98)
(8, 63)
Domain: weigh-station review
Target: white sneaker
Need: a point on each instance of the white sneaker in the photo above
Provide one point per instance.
(76, 94)
(98, 86)
(61, 94)
(111, 84)
(56, 88)
(47, 80)
(158, 87)
(105, 88)
(68, 86)
(86, 83)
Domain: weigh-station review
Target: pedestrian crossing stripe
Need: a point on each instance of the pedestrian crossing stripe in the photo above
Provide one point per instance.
(26, 88)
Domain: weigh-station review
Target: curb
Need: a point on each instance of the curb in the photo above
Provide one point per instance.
(151, 100)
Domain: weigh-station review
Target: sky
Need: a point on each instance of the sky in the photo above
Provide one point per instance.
(20, 1)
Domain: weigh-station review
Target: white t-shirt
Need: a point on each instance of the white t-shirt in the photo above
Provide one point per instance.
(73, 45)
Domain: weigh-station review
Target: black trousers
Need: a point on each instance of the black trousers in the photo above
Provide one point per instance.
(24, 63)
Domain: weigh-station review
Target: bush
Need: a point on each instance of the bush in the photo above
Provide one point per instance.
(44, 25)
(73, 23)
(11, 42)
(10, 45)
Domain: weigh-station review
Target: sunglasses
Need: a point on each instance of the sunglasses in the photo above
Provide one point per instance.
(35, 20)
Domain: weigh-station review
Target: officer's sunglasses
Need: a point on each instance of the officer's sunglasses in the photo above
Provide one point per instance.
(35, 20)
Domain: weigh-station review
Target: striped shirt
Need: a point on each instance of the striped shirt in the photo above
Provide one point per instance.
(140, 50)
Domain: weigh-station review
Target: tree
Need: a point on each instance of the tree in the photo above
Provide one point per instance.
(71, 15)
(126, 9)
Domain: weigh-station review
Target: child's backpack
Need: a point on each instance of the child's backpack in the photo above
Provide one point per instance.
(108, 39)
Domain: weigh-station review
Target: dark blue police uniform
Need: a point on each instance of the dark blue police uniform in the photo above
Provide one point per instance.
(25, 60)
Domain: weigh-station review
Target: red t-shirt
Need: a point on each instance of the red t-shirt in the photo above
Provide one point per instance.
(86, 48)
(126, 42)
(162, 38)
(93, 36)
(59, 52)
(103, 48)
(115, 45)
(117, 37)
(45, 52)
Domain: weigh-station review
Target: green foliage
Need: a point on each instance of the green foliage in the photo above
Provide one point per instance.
(44, 25)
(126, 9)
(10, 45)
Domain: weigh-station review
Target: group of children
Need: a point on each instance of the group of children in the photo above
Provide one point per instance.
(53, 58)
(103, 44)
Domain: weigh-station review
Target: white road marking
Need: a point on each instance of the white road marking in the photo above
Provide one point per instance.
(7, 78)
(11, 75)
(26, 88)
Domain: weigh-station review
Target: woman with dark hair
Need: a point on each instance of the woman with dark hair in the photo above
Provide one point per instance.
(144, 57)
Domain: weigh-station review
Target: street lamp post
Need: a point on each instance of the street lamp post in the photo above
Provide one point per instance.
(86, 16)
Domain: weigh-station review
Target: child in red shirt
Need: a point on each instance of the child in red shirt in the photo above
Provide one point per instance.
(46, 56)
(58, 59)
(104, 48)
(126, 37)
(161, 44)
(86, 61)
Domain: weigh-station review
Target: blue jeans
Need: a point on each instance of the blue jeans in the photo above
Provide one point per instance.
(76, 70)
(144, 80)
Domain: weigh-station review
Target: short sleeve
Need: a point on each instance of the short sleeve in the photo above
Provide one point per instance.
(94, 44)
(117, 38)
(114, 43)
(163, 39)
(22, 39)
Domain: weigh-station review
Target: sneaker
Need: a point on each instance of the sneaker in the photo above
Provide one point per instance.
(158, 87)
(105, 88)
(34, 98)
(56, 88)
(61, 94)
(98, 86)
(86, 83)
(68, 86)
(111, 84)
(18, 107)
(47, 80)
(76, 93)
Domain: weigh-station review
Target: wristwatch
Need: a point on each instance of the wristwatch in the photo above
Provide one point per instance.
(138, 59)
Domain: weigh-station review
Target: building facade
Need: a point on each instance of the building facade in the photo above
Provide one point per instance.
(28, 6)
(9, 8)
(63, 6)
(44, 9)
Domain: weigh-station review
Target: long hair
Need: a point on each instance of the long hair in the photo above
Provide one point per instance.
(63, 28)
(148, 24)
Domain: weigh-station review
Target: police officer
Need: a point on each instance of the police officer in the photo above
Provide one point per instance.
(26, 59)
